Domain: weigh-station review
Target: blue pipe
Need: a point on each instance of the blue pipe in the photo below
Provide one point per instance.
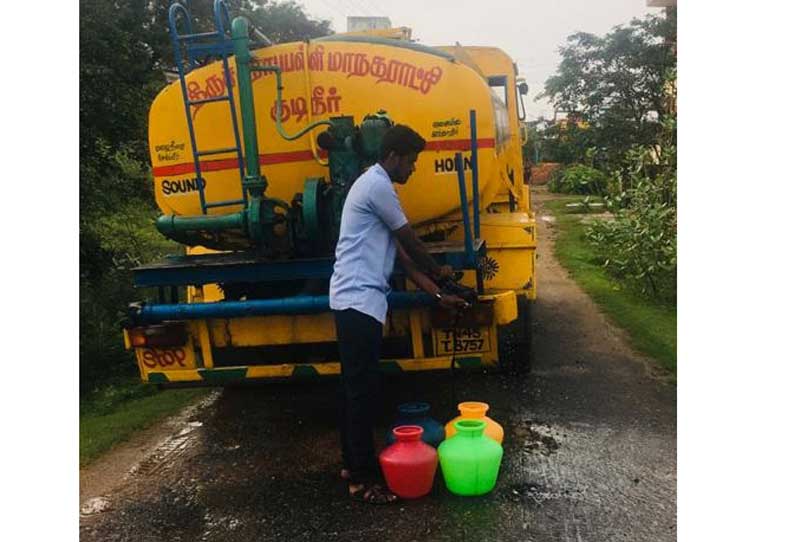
(464, 209)
(475, 173)
(153, 313)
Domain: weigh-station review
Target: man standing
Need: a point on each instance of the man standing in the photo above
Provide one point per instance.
(373, 230)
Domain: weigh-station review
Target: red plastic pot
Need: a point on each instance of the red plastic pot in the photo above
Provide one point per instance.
(409, 465)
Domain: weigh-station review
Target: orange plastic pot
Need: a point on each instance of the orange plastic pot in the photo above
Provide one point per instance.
(473, 410)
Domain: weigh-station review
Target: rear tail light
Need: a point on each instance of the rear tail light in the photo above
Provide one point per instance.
(171, 334)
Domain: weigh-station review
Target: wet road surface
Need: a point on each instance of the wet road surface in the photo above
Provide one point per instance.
(590, 440)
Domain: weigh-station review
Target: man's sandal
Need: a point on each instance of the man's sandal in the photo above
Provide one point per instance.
(373, 494)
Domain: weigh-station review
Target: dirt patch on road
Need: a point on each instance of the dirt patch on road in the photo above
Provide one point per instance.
(558, 288)
(141, 452)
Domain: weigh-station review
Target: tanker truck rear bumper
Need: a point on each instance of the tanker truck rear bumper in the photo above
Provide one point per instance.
(225, 350)
(219, 336)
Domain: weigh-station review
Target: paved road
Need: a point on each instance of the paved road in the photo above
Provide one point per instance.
(590, 452)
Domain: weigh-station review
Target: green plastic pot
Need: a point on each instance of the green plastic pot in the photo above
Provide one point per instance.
(470, 460)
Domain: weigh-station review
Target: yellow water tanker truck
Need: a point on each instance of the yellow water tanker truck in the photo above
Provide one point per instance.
(253, 150)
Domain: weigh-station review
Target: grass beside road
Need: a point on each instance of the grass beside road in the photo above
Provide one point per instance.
(113, 413)
(651, 325)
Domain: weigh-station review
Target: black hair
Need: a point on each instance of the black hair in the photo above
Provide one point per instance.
(402, 140)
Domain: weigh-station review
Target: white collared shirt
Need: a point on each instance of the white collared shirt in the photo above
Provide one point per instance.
(366, 248)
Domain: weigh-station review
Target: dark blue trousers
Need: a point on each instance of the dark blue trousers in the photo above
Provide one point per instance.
(359, 337)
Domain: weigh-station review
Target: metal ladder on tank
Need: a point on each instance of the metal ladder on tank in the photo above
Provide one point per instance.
(190, 50)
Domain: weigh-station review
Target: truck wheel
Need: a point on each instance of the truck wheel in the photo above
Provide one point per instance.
(515, 341)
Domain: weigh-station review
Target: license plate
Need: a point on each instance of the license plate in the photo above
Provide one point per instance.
(172, 358)
(450, 341)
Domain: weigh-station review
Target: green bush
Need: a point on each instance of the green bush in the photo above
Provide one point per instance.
(127, 238)
(566, 144)
(117, 233)
(579, 179)
(639, 244)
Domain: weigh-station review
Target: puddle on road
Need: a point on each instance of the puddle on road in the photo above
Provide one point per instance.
(536, 494)
(536, 437)
(217, 527)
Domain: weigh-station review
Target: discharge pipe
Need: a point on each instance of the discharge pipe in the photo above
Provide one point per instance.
(172, 225)
(254, 182)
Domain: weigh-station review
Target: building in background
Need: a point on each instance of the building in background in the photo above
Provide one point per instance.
(362, 24)
(666, 4)
(377, 26)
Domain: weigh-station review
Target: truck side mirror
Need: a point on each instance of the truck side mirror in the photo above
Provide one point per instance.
(523, 88)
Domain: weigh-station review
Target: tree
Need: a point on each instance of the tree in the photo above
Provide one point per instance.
(615, 83)
(285, 22)
(566, 142)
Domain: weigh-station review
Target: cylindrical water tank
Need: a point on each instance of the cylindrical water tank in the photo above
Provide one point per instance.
(421, 87)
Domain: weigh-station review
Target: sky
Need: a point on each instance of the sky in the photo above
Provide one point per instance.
(530, 31)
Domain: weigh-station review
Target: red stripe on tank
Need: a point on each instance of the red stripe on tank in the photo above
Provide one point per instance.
(301, 156)
(231, 163)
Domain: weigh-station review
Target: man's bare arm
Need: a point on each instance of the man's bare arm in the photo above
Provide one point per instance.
(425, 283)
(418, 252)
(416, 276)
